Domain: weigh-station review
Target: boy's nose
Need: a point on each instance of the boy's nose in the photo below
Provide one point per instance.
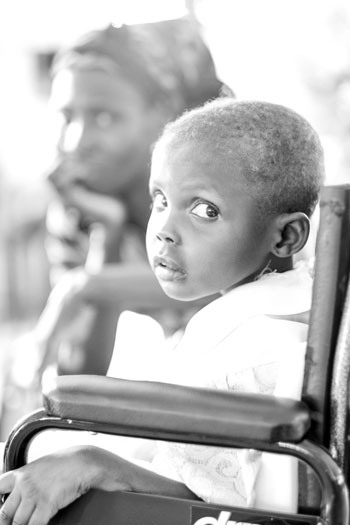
(167, 236)
(165, 226)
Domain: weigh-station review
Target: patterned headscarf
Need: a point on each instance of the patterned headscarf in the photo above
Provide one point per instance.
(168, 61)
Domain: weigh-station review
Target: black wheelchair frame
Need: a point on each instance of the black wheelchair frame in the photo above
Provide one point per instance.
(314, 430)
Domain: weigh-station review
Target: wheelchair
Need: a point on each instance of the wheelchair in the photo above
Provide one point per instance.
(313, 430)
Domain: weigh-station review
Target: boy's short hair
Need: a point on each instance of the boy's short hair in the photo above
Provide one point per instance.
(282, 155)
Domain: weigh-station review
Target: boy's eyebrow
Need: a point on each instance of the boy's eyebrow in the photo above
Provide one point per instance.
(196, 187)
(154, 182)
(151, 189)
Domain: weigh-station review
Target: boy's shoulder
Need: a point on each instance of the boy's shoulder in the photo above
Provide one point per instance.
(281, 295)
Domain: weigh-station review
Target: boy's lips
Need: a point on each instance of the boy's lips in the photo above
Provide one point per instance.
(167, 270)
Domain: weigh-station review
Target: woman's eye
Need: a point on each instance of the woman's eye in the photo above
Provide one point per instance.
(206, 211)
(104, 119)
(159, 202)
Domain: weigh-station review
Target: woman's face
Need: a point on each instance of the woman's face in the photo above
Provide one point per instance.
(205, 234)
(103, 130)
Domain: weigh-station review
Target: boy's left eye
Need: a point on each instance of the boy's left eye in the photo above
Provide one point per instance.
(159, 201)
(205, 210)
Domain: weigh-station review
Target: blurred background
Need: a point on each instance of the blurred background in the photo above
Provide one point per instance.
(291, 52)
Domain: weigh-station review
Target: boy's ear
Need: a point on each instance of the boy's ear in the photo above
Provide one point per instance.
(292, 232)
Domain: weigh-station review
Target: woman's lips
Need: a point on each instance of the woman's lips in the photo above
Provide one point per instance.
(167, 270)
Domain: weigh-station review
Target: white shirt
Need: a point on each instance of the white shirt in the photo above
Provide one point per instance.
(243, 341)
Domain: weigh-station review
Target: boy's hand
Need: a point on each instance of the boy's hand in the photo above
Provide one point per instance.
(40, 489)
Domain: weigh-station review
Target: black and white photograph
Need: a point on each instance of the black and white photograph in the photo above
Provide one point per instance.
(175, 262)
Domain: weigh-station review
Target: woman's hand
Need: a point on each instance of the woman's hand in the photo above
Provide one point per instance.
(91, 207)
(69, 181)
(97, 208)
(63, 305)
(67, 316)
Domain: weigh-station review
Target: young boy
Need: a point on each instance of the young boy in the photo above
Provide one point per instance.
(233, 185)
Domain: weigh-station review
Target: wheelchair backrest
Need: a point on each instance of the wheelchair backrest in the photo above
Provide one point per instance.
(332, 266)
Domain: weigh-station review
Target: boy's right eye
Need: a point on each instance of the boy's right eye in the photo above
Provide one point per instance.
(159, 201)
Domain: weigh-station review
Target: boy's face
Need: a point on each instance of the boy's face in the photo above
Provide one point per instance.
(204, 235)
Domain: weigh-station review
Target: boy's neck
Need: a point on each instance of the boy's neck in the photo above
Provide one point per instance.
(280, 264)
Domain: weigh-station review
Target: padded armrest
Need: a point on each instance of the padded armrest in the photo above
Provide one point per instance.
(213, 415)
